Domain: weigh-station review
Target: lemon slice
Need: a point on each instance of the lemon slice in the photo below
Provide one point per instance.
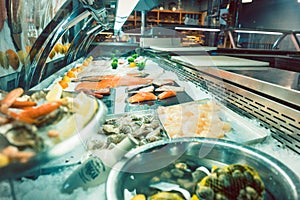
(67, 131)
(55, 93)
(84, 108)
(4, 160)
(84, 105)
(22, 56)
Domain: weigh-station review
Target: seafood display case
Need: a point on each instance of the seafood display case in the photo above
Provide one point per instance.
(243, 108)
(150, 94)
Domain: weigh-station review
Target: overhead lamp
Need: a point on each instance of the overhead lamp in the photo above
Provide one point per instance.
(258, 32)
(198, 29)
(250, 1)
(124, 8)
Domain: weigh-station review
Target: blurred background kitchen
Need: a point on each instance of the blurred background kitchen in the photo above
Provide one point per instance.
(23, 21)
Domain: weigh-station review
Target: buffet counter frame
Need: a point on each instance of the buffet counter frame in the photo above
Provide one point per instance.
(273, 111)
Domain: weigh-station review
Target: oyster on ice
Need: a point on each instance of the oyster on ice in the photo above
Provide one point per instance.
(22, 135)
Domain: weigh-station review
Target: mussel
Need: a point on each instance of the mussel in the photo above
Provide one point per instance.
(234, 181)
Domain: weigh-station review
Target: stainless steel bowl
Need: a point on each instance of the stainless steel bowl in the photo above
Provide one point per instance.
(280, 182)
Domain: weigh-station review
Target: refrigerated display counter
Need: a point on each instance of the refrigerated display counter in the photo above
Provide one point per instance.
(263, 113)
(279, 86)
(268, 122)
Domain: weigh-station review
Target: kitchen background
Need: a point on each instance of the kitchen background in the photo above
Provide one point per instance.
(269, 14)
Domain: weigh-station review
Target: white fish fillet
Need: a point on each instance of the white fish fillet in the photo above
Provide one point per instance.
(169, 88)
(160, 82)
(144, 89)
(147, 89)
(133, 88)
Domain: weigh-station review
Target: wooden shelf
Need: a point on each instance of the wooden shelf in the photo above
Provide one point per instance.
(168, 22)
(164, 17)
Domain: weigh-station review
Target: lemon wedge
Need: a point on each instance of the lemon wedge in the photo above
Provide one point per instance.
(67, 131)
(84, 105)
(55, 93)
(4, 160)
(22, 55)
(84, 108)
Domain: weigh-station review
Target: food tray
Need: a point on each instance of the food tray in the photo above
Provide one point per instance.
(243, 130)
(150, 131)
(78, 137)
(181, 97)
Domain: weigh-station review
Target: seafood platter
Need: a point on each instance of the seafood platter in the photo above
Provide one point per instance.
(200, 168)
(144, 126)
(39, 126)
(145, 88)
(210, 119)
(161, 92)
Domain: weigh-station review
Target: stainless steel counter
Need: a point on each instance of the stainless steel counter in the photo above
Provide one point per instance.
(254, 75)
(279, 77)
(276, 83)
(269, 95)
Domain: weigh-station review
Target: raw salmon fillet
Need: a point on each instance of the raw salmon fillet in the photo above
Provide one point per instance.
(142, 96)
(112, 82)
(106, 83)
(166, 94)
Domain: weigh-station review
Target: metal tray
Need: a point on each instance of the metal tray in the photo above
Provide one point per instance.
(80, 137)
(243, 130)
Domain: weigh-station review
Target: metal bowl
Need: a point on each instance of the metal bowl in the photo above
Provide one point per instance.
(280, 182)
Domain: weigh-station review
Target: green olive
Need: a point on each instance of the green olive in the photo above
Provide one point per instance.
(131, 59)
(114, 65)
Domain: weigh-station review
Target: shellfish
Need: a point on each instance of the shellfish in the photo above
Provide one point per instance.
(234, 181)
(22, 135)
(144, 127)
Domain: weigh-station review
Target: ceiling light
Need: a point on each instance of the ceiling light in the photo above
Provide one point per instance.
(198, 29)
(258, 32)
(249, 1)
